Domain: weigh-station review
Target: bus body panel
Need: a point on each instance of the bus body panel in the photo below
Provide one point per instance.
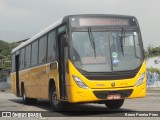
(54, 75)
(13, 82)
(36, 81)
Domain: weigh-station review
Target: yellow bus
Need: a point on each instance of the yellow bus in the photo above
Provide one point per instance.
(91, 58)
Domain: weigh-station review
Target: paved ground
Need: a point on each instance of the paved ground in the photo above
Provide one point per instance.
(8, 102)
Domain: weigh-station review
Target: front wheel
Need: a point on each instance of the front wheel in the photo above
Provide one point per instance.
(114, 104)
(56, 104)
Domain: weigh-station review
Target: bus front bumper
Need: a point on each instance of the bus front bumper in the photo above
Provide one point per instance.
(78, 95)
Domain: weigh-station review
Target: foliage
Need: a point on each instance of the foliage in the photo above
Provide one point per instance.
(146, 53)
(5, 53)
(153, 70)
(152, 51)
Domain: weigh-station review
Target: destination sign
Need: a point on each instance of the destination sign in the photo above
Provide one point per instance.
(102, 21)
(82, 22)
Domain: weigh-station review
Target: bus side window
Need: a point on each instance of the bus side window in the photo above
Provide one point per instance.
(51, 46)
(42, 50)
(34, 53)
(13, 62)
(27, 56)
(22, 58)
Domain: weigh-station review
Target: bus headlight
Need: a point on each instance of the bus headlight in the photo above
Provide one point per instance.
(79, 82)
(140, 80)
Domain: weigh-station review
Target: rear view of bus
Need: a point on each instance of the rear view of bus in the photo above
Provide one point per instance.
(106, 63)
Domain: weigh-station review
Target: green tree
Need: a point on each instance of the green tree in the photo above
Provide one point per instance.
(5, 53)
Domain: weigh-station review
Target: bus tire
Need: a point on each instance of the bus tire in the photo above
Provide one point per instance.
(56, 105)
(114, 104)
(27, 100)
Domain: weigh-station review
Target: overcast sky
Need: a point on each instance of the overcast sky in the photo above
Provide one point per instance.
(21, 19)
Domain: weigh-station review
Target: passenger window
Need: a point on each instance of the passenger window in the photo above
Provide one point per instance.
(22, 58)
(42, 50)
(51, 46)
(34, 53)
(13, 62)
(28, 56)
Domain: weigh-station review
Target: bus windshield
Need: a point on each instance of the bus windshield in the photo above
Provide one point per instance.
(117, 50)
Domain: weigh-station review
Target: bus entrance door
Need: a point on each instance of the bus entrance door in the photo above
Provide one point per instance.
(17, 74)
(61, 65)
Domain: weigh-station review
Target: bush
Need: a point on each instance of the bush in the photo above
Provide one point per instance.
(153, 70)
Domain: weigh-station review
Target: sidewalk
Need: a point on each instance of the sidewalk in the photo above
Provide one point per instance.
(153, 90)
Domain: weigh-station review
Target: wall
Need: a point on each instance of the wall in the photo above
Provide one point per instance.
(153, 80)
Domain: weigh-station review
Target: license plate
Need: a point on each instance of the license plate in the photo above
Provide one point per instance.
(114, 97)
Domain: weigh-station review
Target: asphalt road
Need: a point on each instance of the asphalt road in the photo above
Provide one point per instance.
(9, 102)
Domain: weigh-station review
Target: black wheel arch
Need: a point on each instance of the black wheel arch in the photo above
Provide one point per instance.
(51, 84)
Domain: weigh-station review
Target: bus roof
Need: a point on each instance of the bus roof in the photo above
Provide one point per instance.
(60, 21)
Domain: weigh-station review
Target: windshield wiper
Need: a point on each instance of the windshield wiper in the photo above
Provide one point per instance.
(122, 39)
(92, 40)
